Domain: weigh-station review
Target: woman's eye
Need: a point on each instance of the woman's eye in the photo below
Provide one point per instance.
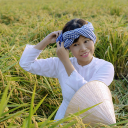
(75, 44)
(86, 41)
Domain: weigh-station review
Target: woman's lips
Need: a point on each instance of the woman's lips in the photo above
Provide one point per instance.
(85, 54)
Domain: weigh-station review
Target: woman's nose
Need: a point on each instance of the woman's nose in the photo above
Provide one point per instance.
(83, 47)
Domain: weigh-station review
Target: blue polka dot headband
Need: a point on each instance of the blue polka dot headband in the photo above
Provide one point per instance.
(69, 36)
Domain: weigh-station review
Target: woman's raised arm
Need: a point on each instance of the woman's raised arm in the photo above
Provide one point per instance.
(44, 67)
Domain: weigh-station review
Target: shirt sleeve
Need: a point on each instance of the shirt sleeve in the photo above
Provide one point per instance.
(75, 81)
(44, 67)
(104, 74)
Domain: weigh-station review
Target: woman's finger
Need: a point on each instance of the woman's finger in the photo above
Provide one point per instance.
(55, 34)
(58, 33)
(62, 44)
(58, 45)
(67, 51)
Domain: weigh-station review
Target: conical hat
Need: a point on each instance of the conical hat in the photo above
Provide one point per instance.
(90, 94)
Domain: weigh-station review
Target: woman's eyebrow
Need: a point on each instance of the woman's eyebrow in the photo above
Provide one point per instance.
(75, 42)
(87, 39)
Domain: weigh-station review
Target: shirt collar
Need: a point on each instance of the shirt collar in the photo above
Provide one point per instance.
(85, 66)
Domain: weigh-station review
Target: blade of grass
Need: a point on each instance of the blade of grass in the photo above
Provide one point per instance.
(70, 124)
(38, 105)
(4, 99)
(13, 115)
(49, 86)
(45, 123)
(122, 122)
(12, 110)
(31, 108)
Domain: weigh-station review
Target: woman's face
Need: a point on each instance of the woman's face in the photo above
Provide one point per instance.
(83, 50)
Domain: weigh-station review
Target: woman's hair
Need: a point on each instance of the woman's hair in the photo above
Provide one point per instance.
(73, 24)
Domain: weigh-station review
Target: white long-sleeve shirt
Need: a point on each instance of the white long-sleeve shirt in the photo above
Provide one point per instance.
(97, 69)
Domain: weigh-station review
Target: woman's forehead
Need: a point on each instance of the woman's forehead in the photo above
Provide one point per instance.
(82, 38)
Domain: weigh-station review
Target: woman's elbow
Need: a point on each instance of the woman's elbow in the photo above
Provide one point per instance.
(24, 66)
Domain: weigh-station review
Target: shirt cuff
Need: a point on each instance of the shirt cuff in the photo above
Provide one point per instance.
(28, 46)
(75, 81)
(30, 51)
(29, 55)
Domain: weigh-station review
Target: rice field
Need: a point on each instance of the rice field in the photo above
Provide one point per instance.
(30, 101)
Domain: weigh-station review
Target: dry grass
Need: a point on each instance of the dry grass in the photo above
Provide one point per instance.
(28, 22)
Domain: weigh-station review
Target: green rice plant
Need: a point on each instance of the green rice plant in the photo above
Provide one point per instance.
(113, 47)
(119, 90)
(5, 115)
(116, 10)
(4, 111)
(27, 121)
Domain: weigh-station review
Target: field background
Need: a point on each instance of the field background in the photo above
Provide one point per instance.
(28, 22)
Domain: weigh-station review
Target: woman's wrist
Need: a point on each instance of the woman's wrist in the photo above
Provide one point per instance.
(69, 67)
(41, 45)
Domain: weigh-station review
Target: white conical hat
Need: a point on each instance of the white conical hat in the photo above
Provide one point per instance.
(90, 94)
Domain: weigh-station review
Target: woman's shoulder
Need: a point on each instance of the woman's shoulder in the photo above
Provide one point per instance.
(101, 62)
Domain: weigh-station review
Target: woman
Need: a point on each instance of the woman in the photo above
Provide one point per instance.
(72, 73)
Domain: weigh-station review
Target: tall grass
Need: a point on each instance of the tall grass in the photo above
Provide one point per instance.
(22, 94)
(113, 47)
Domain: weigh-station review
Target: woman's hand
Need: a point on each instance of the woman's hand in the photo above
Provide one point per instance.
(51, 38)
(62, 53)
